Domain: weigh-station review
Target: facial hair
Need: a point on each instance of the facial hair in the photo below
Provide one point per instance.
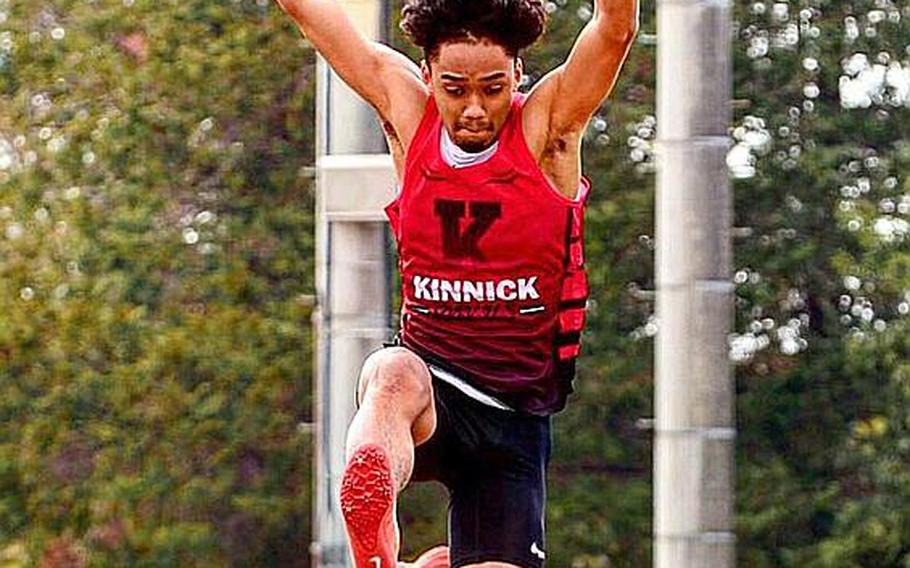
(474, 146)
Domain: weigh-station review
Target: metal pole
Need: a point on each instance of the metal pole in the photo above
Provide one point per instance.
(355, 178)
(694, 394)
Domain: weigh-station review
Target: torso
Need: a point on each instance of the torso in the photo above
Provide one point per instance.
(499, 300)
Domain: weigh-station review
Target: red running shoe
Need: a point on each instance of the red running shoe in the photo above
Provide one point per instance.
(368, 506)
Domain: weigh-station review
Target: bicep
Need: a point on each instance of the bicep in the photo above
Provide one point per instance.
(581, 84)
(374, 71)
(400, 80)
(390, 82)
(405, 94)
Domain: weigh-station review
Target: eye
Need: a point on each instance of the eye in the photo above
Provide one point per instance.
(493, 89)
(456, 91)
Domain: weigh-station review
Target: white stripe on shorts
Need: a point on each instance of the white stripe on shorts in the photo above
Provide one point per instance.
(467, 389)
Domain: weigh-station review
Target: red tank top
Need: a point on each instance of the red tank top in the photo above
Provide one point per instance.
(492, 267)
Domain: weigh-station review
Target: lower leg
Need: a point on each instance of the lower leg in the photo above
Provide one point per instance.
(396, 414)
(380, 423)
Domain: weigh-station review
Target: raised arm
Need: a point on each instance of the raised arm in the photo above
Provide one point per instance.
(380, 75)
(570, 94)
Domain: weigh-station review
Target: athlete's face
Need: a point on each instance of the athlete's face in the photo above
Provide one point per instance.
(473, 83)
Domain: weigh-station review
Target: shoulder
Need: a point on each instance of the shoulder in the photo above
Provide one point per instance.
(542, 134)
(406, 95)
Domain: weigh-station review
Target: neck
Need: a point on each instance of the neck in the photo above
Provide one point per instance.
(458, 157)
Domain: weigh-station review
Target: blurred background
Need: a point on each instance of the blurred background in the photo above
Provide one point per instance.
(157, 282)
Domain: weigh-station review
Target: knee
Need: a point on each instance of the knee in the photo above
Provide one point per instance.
(395, 372)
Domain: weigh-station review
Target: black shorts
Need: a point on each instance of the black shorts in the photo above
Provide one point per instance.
(493, 463)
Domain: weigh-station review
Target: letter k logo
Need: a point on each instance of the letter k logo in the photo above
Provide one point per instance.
(458, 244)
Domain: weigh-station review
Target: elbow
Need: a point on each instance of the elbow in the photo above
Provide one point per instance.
(636, 25)
(631, 33)
(290, 8)
(623, 36)
(630, 28)
(619, 30)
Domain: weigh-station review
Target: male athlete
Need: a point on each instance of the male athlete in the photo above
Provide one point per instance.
(488, 221)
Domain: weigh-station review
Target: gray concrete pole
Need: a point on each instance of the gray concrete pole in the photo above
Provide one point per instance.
(355, 178)
(694, 394)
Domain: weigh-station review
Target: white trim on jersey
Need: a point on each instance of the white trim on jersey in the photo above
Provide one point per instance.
(458, 158)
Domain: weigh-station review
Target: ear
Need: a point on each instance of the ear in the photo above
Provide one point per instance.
(425, 72)
(518, 71)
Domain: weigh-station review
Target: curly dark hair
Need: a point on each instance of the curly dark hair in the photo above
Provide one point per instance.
(512, 24)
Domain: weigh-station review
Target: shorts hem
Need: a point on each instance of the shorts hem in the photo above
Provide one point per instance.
(477, 558)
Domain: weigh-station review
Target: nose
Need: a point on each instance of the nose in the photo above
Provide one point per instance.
(474, 110)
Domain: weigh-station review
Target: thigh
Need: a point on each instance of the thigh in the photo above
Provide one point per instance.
(498, 502)
(436, 459)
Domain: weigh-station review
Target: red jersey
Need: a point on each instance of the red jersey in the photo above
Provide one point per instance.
(492, 266)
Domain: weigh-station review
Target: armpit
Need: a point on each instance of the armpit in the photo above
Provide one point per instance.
(396, 149)
(559, 145)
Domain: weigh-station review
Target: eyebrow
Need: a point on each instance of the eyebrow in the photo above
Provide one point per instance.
(462, 78)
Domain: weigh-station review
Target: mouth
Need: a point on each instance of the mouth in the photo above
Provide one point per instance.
(465, 133)
(473, 130)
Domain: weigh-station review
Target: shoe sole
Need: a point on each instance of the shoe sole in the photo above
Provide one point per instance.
(367, 499)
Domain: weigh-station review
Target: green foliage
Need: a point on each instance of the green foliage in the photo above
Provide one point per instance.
(155, 360)
(810, 423)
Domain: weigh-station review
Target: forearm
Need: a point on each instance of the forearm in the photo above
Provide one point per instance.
(318, 19)
(352, 55)
(617, 18)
